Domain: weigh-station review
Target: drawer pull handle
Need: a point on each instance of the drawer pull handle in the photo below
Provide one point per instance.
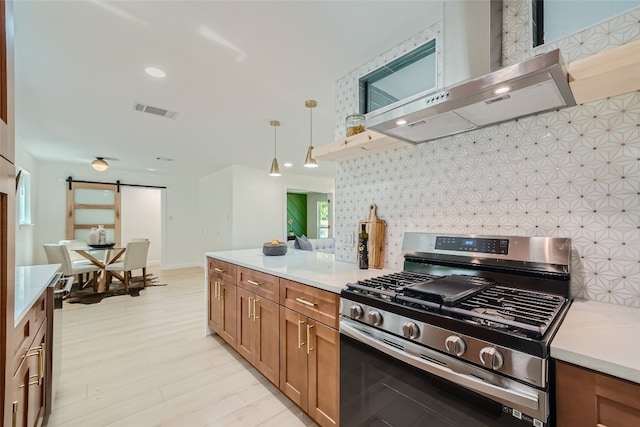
(255, 300)
(309, 348)
(300, 342)
(14, 416)
(218, 270)
(305, 302)
(41, 364)
(253, 282)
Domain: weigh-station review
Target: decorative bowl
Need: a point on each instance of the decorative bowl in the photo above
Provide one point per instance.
(274, 247)
(102, 246)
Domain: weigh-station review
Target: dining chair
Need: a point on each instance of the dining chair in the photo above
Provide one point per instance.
(59, 254)
(71, 245)
(135, 257)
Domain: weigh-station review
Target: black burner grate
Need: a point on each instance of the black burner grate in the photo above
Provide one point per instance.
(528, 310)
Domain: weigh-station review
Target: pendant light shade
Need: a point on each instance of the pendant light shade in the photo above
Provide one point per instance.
(310, 162)
(275, 169)
(100, 164)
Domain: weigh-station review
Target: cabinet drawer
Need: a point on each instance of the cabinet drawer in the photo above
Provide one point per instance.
(262, 284)
(316, 303)
(222, 270)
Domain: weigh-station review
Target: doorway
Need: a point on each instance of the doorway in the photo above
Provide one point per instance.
(309, 214)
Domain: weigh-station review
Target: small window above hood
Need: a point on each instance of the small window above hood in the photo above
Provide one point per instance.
(535, 85)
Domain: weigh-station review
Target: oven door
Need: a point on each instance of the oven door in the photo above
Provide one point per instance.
(388, 381)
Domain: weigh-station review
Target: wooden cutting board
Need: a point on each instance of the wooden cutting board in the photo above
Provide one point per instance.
(376, 230)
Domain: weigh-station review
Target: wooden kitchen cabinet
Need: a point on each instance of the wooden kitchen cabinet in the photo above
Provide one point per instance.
(258, 333)
(29, 384)
(310, 350)
(588, 398)
(222, 315)
(7, 149)
(286, 330)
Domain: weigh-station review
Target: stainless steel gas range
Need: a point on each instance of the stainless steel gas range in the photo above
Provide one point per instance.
(460, 337)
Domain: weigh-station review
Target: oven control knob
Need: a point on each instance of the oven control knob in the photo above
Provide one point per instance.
(375, 318)
(355, 311)
(455, 345)
(491, 357)
(410, 330)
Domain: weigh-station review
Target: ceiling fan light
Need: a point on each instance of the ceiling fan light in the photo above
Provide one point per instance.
(100, 164)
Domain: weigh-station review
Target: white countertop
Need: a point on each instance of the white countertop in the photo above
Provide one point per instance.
(602, 337)
(31, 281)
(316, 269)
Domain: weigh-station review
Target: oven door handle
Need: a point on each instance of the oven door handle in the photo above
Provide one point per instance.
(508, 396)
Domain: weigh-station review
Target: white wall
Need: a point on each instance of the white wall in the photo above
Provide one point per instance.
(142, 217)
(215, 211)
(242, 207)
(179, 246)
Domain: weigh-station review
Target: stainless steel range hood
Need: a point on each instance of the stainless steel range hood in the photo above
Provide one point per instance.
(536, 85)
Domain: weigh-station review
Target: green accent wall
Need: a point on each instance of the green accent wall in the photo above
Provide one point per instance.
(297, 211)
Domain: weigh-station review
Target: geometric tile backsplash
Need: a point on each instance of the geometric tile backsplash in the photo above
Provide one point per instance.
(569, 173)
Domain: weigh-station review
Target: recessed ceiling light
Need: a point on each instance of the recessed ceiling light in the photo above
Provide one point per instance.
(401, 122)
(155, 72)
(287, 165)
(501, 90)
(150, 169)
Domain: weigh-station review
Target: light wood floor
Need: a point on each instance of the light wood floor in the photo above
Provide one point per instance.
(146, 361)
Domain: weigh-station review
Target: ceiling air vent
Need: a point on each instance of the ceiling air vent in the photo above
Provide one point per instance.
(154, 110)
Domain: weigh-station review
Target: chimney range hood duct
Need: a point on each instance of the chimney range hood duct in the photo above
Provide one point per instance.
(535, 85)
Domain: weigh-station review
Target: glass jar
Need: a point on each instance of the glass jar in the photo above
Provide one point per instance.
(355, 124)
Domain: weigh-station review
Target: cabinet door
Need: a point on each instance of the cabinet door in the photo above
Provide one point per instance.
(574, 396)
(228, 313)
(38, 380)
(324, 373)
(293, 357)
(29, 385)
(617, 402)
(246, 330)
(267, 350)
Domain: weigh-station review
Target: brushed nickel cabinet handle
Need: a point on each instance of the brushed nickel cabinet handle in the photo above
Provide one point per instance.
(300, 342)
(309, 348)
(218, 270)
(305, 302)
(253, 282)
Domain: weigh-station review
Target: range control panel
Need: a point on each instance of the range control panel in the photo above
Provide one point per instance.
(473, 244)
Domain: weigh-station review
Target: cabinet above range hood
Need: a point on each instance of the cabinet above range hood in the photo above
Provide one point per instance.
(535, 85)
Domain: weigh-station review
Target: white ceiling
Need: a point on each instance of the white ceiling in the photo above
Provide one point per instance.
(232, 66)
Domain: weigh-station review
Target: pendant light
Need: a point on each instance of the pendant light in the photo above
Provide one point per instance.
(310, 162)
(100, 164)
(275, 169)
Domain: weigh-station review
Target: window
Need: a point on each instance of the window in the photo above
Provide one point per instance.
(323, 220)
(412, 73)
(23, 197)
(553, 20)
